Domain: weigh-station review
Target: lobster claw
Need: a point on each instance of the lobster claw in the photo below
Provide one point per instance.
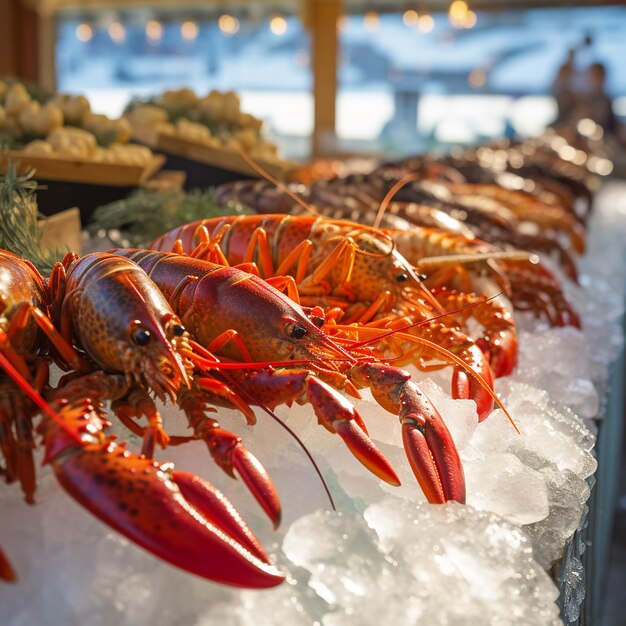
(466, 387)
(501, 346)
(177, 516)
(429, 447)
(431, 452)
(337, 415)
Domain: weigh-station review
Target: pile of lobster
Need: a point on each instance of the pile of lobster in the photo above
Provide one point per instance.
(269, 309)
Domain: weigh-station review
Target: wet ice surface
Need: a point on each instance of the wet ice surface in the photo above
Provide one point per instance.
(388, 557)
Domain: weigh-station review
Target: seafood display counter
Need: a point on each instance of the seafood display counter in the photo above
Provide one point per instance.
(384, 555)
(591, 544)
(585, 562)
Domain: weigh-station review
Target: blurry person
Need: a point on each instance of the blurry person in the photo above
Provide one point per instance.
(595, 102)
(563, 91)
(564, 95)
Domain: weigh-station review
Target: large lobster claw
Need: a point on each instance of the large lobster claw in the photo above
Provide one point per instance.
(428, 444)
(178, 517)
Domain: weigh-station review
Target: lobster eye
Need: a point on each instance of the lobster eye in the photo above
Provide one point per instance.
(318, 320)
(140, 336)
(402, 278)
(178, 330)
(297, 332)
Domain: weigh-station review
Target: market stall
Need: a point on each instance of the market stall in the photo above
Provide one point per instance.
(477, 486)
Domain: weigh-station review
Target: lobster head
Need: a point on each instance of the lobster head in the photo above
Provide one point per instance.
(379, 269)
(124, 323)
(271, 326)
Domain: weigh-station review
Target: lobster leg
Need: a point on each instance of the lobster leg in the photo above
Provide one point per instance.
(176, 516)
(228, 451)
(62, 345)
(8, 445)
(429, 447)
(7, 573)
(540, 291)
(273, 387)
(466, 387)
(25, 445)
(136, 404)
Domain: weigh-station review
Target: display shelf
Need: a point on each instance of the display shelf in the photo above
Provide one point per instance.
(86, 171)
(207, 166)
(65, 183)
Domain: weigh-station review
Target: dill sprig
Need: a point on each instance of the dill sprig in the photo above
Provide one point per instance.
(20, 228)
(145, 215)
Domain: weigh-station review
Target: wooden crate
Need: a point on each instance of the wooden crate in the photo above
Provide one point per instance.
(62, 231)
(225, 159)
(83, 170)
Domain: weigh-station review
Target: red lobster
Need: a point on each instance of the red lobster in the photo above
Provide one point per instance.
(113, 314)
(339, 265)
(257, 322)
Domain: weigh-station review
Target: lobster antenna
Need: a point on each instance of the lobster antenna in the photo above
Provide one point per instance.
(201, 356)
(462, 259)
(265, 174)
(248, 398)
(405, 180)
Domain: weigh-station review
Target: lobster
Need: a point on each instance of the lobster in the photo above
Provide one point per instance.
(496, 224)
(525, 208)
(529, 284)
(551, 178)
(340, 266)
(102, 311)
(489, 207)
(358, 198)
(260, 323)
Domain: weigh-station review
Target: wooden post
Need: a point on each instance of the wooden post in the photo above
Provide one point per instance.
(321, 19)
(47, 75)
(19, 40)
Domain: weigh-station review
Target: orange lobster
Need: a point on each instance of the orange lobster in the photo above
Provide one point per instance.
(451, 260)
(111, 316)
(256, 322)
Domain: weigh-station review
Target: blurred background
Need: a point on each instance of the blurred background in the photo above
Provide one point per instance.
(409, 76)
